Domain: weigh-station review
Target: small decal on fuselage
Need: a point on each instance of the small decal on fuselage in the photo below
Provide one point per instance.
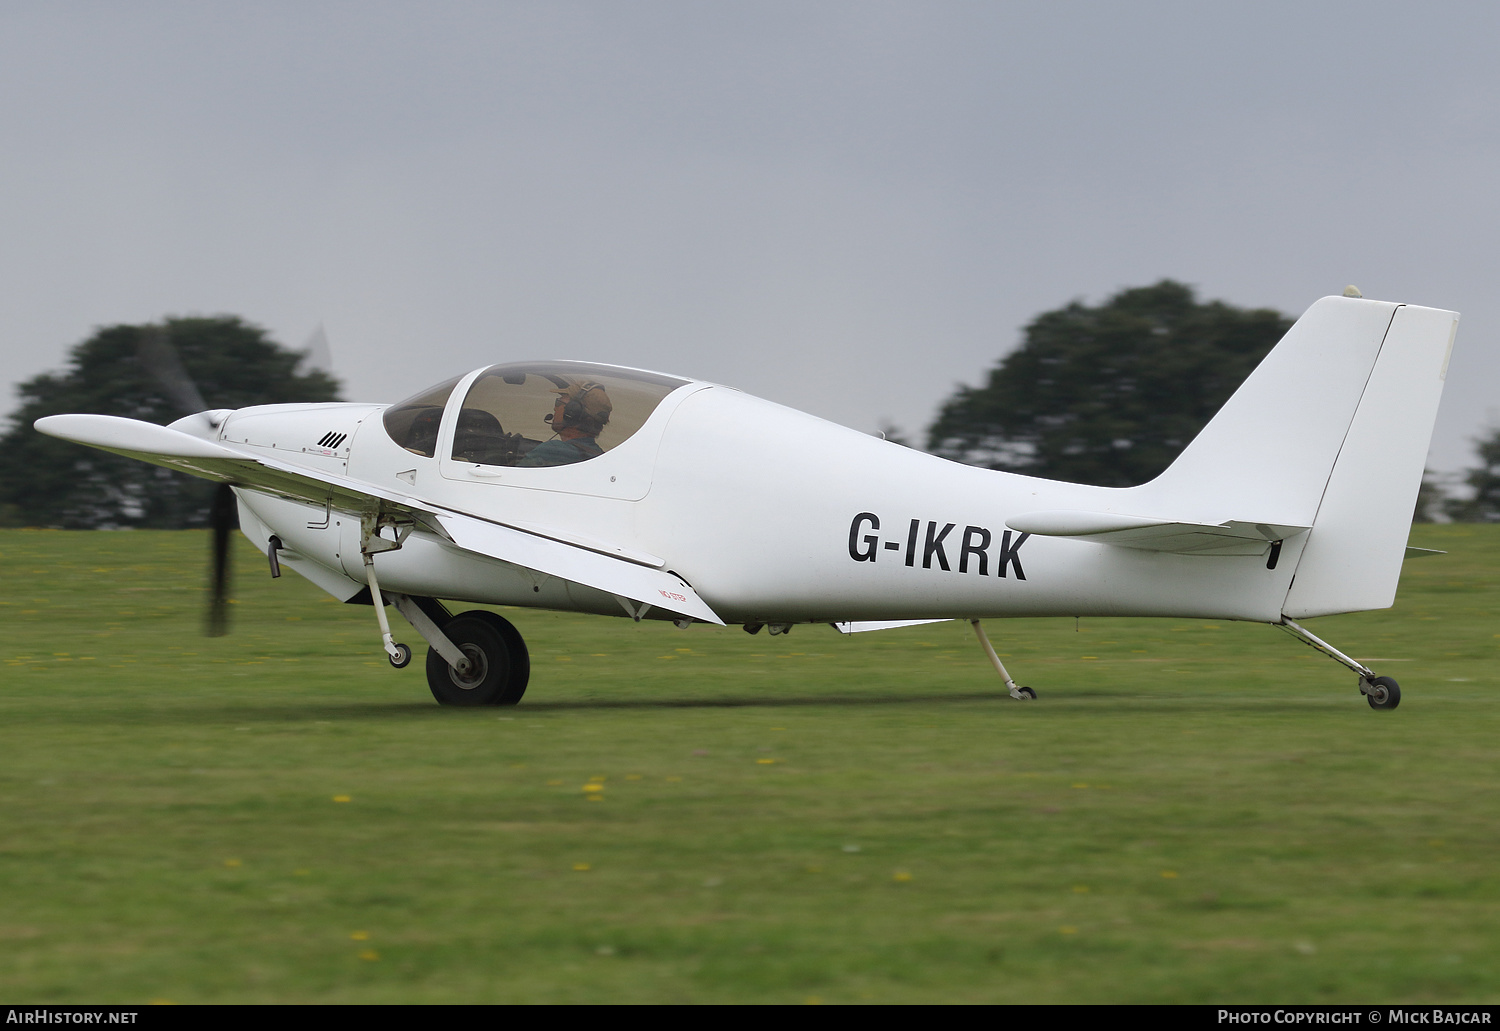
(930, 542)
(331, 439)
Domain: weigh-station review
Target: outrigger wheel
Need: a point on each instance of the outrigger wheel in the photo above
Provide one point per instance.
(1381, 692)
(499, 665)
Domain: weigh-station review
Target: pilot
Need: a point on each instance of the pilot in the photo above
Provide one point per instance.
(579, 415)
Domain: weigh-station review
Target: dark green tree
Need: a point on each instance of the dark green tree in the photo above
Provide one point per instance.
(1484, 506)
(50, 482)
(1107, 395)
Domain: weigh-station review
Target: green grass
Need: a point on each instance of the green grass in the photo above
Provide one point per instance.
(1192, 811)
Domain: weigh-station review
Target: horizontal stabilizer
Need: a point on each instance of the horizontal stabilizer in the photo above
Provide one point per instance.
(1144, 533)
(866, 625)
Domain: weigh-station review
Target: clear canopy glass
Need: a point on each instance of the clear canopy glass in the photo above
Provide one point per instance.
(414, 422)
(536, 414)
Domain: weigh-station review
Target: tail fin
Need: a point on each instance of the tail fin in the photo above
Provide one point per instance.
(1353, 555)
(1330, 431)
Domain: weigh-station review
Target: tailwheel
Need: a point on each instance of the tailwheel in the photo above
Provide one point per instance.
(499, 665)
(1026, 693)
(1380, 692)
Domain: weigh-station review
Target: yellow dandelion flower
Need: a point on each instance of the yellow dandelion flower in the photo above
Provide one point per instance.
(342, 798)
(231, 862)
(1169, 874)
(901, 876)
(582, 867)
(765, 762)
(1067, 929)
(369, 955)
(592, 787)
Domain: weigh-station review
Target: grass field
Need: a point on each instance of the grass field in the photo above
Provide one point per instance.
(1192, 812)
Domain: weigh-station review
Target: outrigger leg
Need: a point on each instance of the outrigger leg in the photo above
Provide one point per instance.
(1380, 692)
(399, 654)
(370, 544)
(989, 649)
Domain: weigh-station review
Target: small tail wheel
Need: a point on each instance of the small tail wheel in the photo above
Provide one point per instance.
(402, 658)
(1028, 694)
(1382, 693)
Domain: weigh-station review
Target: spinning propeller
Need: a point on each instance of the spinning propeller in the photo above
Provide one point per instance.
(160, 359)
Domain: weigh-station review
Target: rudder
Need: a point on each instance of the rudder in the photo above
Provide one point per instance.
(1352, 560)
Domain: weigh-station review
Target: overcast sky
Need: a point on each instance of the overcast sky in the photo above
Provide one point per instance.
(844, 207)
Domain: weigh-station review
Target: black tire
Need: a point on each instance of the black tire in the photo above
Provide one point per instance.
(402, 658)
(1029, 693)
(520, 657)
(1383, 693)
(491, 679)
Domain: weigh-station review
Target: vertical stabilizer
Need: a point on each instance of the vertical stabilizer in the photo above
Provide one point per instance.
(1268, 453)
(1353, 555)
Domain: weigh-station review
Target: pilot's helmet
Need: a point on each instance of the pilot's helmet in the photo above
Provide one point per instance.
(586, 405)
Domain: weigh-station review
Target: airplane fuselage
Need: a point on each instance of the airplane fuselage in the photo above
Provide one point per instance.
(773, 515)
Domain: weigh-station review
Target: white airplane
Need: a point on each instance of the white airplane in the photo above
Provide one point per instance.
(592, 488)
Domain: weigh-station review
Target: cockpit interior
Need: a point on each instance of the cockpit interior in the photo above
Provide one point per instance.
(533, 414)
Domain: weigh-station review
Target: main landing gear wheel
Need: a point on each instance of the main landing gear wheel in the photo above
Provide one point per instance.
(1381, 693)
(1027, 693)
(499, 665)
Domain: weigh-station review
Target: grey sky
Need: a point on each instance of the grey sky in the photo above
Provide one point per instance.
(844, 207)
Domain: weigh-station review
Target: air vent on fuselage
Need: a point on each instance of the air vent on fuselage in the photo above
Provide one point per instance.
(331, 439)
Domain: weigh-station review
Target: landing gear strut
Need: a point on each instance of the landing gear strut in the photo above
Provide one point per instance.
(370, 545)
(1380, 692)
(477, 658)
(1021, 693)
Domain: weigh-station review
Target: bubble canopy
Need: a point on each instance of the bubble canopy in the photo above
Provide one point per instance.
(533, 414)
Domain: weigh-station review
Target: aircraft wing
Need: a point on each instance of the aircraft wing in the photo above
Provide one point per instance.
(616, 570)
(657, 588)
(1144, 533)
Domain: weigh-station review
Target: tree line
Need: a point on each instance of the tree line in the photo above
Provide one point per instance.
(1107, 394)
(49, 482)
(1110, 394)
